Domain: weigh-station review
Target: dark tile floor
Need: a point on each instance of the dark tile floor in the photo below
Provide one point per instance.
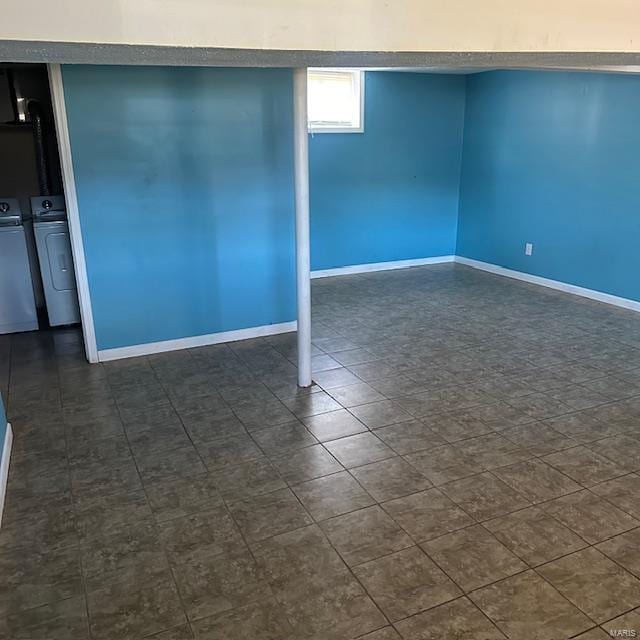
(466, 467)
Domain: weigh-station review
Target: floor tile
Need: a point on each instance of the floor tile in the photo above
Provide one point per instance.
(538, 438)
(182, 632)
(591, 517)
(332, 495)
(593, 583)
(210, 584)
(536, 481)
(623, 450)
(364, 535)
(581, 426)
(184, 462)
(458, 426)
(593, 634)
(335, 378)
(50, 527)
(389, 479)
(264, 415)
(540, 405)
(443, 464)
(525, 606)
(360, 449)
(459, 619)
(409, 437)
(388, 633)
(625, 550)
(124, 560)
(499, 387)
(332, 425)
(405, 583)
(38, 578)
(111, 514)
(269, 514)
(300, 561)
(306, 464)
(257, 621)
(129, 615)
(427, 514)
(623, 492)
(492, 451)
(473, 557)
(148, 417)
(164, 438)
(356, 394)
(380, 414)
(102, 427)
(211, 532)
(103, 480)
(484, 496)
(173, 497)
(585, 466)
(62, 620)
(312, 404)
(324, 362)
(207, 428)
(283, 438)
(535, 536)
(229, 451)
(343, 610)
(628, 622)
(248, 479)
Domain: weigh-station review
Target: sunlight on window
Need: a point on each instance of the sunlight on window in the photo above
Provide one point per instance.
(335, 100)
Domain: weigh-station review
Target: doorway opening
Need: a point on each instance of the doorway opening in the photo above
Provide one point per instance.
(37, 276)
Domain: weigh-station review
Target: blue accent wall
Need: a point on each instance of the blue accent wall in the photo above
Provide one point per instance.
(390, 193)
(184, 181)
(185, 187)
(552, 158)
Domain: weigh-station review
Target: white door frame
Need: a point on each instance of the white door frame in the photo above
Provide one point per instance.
(73, 213)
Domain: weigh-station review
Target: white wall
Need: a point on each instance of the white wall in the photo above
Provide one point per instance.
(363, 25)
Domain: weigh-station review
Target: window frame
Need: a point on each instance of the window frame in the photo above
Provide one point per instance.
(360, 76)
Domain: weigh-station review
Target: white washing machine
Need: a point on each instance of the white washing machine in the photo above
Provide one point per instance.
(56, 260)
(17, 304)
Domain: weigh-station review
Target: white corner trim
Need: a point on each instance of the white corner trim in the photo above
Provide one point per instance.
(592, 294)
(4, 467)
(149, 348)
(73, 213)
(379, 266)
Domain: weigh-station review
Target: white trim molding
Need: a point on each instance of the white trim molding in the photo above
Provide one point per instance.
(191, 342)
(592, 294)
(73, 213)
(4, 467)
(379, 266)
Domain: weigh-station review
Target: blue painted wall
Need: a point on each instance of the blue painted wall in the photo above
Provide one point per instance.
(184, 181)
(390, 193)
(552, 158)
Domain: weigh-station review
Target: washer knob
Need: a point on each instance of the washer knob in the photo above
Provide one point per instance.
(4, 207)
(47, 204)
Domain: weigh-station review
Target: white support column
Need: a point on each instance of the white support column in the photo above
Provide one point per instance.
(303, 255)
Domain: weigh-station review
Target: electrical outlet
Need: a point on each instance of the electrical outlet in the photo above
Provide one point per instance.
(528, 249)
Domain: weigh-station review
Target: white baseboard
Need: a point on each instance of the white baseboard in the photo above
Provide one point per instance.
(379, 266)
(4, 467)
(150, 348)
(592, 294)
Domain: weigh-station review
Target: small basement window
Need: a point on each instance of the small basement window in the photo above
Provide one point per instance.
(335, 100)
